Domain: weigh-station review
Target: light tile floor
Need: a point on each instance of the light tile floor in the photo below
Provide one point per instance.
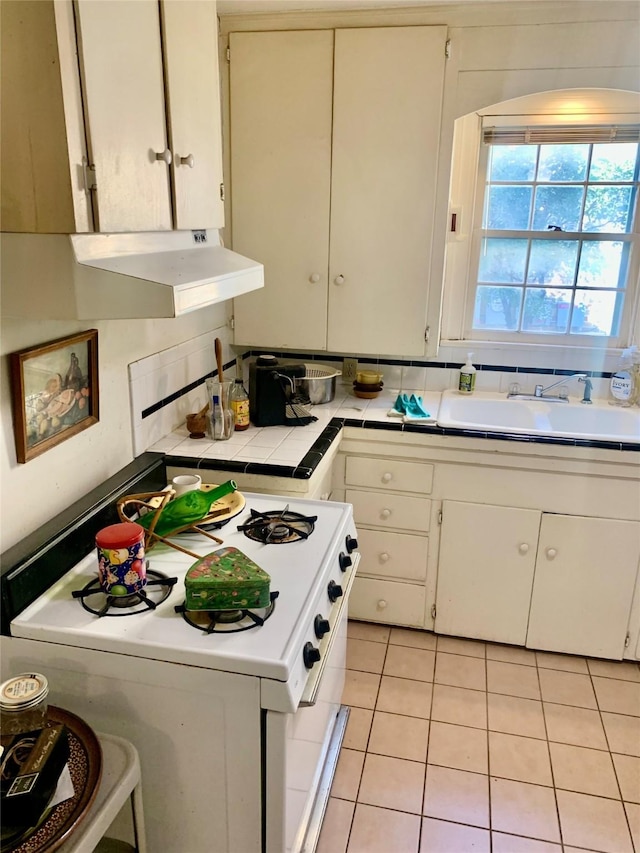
(458, 746)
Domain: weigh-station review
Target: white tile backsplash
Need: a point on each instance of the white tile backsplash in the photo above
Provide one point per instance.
(158, 376)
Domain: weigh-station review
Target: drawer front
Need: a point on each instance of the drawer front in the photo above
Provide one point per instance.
(393, 555)
(386, 601)
(393, 511)
(389, 474)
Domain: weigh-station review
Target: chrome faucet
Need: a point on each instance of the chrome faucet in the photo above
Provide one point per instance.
(540, 392)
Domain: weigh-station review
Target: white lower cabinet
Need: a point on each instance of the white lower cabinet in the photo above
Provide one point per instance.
(387, 601)
(557, 582)
(485, 571)
(393, 517)
(584, 581)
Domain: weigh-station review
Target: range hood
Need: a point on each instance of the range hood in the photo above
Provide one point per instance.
(120, 276)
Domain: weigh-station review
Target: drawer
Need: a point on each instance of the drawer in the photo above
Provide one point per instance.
(386, 601)
(393, 555)
(389, 474)
(394, 511)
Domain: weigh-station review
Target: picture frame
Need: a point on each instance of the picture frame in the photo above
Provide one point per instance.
(55, 393)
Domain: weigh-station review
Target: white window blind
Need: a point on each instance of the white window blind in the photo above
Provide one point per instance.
(554, 135)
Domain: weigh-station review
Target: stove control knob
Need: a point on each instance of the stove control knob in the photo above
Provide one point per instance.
(334, 591)
(321, 626)
(344, 561)
(310, 655)
(351, 544)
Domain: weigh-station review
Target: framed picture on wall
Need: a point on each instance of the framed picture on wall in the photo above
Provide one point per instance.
(55, 392)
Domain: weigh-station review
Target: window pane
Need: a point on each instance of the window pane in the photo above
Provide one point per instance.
(594, 312)
(512, 162)
(497, 308)
(613, 162)
(502, 260)
(607, 209)
(599, 264)
(508, 207)
(557, 207)
(546, 310)
(552, 262)
(563, 162)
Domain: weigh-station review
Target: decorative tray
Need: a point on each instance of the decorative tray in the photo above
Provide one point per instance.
(85, 767)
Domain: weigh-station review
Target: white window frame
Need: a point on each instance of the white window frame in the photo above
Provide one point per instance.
(557, 338)
(470, 163)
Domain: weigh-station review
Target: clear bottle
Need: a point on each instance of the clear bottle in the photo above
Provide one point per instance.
(624, 380)
(240, 406)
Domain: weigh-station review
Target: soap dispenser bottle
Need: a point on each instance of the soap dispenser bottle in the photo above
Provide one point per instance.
(622, 383)
(467, 380)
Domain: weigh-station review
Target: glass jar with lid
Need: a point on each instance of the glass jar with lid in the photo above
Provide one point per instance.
(23, 703)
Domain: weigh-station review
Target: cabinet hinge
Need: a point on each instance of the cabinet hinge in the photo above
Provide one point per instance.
(447, 48)
(433, 611)
(89, 174)
(221, 192)
(232, 322)
(427, 334)
(440, 517)
(228, 54)
(627, 640)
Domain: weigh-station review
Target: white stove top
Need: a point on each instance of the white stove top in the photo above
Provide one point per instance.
(299, 571)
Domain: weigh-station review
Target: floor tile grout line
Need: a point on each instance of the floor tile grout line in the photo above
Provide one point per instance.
(553, 777)
(486, 703)
(426, 759)
(615, 769)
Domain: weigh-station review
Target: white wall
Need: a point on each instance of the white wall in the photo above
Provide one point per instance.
(31, 493)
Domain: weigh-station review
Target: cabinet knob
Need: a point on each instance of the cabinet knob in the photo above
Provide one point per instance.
(314, 278)
(551, 553)
(339, 279)
(187, 161)
(385, 513)
(524, 548)
(382, 604)
(164, 155)
(387, 477)
(384, 557)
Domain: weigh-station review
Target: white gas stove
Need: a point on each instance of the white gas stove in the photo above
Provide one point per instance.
(233, 721)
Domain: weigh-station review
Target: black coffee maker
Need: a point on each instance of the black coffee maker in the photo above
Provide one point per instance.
(271, 392)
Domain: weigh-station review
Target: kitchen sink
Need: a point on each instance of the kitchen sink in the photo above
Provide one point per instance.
(490, 412)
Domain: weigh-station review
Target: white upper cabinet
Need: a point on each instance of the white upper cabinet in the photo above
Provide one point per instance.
(281, 89)
(190, 32)
(97, 99)
(334, 154)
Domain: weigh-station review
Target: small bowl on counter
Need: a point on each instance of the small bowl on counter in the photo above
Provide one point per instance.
(368, 377)
(367, 390)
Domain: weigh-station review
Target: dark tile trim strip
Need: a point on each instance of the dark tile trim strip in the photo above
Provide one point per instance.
(436, 365)
(155, 407)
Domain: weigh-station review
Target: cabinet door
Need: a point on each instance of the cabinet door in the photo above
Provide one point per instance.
(190, 30)
(387, 100)
(123, 90)
(280, 107)
(584, 582)
(485, 571)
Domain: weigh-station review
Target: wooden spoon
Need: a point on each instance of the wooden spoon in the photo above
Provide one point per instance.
(218, 348)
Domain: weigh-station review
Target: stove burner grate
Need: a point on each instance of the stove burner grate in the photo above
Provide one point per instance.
(278, 526)
(227, 621)
(158, 589)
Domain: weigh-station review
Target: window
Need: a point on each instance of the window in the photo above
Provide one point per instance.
(554, 253)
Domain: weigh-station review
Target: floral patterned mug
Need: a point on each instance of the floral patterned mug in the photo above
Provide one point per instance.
(122, 568)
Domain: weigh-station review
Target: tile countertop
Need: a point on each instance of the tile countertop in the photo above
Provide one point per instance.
(271, 450)
(285, 451)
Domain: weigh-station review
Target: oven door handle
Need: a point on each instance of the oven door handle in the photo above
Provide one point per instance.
(310, 694)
